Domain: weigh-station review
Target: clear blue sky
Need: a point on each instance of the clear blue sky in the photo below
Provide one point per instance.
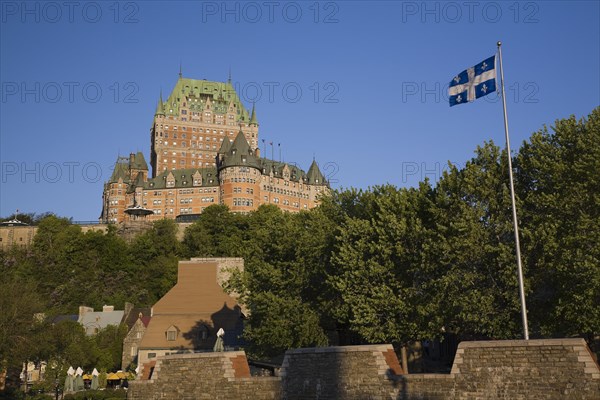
(372, 76)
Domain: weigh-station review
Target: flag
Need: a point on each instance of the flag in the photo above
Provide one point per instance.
(473, 83)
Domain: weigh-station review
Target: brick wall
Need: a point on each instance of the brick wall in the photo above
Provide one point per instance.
(531, 370)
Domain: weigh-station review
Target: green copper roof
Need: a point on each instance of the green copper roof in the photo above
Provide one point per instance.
(268, 166)
(225, 146)
(253, 116)
(121, 170)
(184, 178)
(221, 95)
(239, 153)
(160, 109)
(139, 162)
(314, 175)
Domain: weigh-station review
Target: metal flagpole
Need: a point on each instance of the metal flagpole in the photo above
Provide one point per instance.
(514, 206)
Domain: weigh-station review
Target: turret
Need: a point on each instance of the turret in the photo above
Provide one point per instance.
(253, 116)
(314, 175)
(160, 109)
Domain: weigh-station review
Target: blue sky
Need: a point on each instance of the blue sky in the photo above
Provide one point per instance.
(359, 85)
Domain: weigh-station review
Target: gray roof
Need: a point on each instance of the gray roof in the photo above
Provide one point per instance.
(184, 178)
(277, 167)
(314, 175)
(238, 153)
(93, 320)
(138, 162)
(121, 170)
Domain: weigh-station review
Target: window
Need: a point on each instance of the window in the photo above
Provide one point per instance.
(133, 351)
(172, 333)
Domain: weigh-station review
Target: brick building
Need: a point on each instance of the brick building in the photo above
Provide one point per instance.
(204, 150)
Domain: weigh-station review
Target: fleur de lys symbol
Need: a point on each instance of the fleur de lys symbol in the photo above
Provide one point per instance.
(459, 98)
(456, 79)
(484, 88)
(484, 66)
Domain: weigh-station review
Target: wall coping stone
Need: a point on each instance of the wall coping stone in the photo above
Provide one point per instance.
(206, 354)
(515, 343)
(341, 349)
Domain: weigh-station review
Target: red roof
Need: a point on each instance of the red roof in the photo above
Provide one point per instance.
(145, 320)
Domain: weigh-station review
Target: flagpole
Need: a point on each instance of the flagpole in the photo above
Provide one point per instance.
(514, 206)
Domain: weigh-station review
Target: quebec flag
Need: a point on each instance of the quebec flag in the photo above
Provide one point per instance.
(473, 83)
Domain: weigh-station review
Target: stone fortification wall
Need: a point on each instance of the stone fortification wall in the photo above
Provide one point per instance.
(512, 369)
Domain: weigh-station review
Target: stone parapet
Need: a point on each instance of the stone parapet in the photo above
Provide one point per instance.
(511, 369)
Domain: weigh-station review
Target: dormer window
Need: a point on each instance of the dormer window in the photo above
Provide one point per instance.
(172, 333)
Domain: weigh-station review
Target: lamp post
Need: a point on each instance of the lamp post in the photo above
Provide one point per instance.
(56, 387)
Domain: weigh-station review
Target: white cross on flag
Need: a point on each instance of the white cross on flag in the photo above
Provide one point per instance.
(473, 83)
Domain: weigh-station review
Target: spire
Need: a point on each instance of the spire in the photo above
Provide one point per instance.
(229, 78)
(237, 153)
(180, 74)
(314, 175)
(159, 107)
(253, 116)
(225, 146)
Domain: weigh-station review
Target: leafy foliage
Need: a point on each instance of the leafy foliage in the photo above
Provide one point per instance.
(384, 264)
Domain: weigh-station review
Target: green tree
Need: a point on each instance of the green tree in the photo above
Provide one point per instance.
(378, 265)
(216, 233)
(278, 284)
(559, 181)
(19, 326)
(109, 345)
(155, 254)
(473, 264)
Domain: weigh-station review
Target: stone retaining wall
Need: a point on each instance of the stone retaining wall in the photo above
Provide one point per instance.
(512, 369)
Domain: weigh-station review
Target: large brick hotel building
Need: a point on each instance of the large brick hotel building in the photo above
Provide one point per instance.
(204, 150)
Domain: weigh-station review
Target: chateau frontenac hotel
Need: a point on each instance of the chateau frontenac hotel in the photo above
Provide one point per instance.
(204, 151)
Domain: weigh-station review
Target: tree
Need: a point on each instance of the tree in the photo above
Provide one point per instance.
(278, 283)
(559, 181)
(155, 254)
(109, 345)
(377, 265)
(216, 233)
(19, 303)
(475, 274)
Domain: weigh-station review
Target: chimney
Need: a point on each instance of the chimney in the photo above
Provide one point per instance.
(84, 310)
(128, 308)
(257, 153)
(106, 308)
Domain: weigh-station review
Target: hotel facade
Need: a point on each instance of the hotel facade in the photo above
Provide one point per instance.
(203, 151)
